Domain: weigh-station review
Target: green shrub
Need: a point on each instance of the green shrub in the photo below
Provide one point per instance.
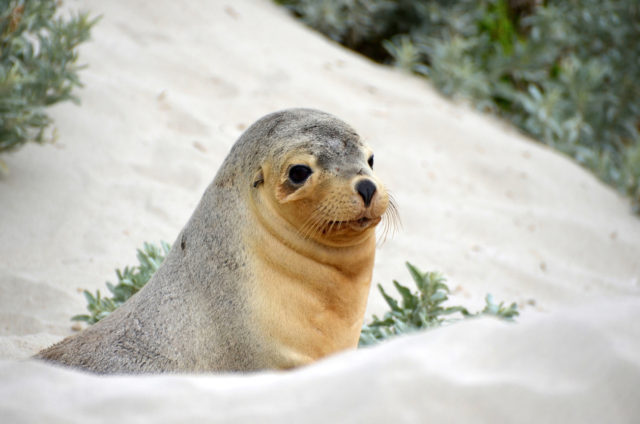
(564, 71)
(417, 311)
(424, 308)
(130, 281)
(38, 54)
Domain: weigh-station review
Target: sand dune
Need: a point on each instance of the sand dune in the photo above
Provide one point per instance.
(169, 88)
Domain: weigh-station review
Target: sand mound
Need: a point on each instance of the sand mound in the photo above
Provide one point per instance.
(169, 88)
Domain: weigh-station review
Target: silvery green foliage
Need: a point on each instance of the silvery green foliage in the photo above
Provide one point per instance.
(358, 24)
(38, 54)
(566, 72)
(130, 281)
(424, 308)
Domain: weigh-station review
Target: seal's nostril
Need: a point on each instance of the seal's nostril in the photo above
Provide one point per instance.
(366, 189)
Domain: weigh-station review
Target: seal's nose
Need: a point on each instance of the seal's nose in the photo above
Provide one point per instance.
(366, 189)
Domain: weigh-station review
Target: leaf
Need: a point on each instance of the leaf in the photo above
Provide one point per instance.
(418, 277)
(85, 318)
(455, 309)
(438, 296)
(393, 304)
(89, 297)
(409, 301)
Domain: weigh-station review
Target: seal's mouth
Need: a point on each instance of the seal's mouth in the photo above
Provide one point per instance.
(355, 224)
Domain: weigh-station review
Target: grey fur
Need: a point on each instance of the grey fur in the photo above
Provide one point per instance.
(192, 315)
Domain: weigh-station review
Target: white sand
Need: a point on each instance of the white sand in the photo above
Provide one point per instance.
(170, 86)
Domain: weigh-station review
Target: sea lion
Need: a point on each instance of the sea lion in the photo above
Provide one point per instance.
(271, 271)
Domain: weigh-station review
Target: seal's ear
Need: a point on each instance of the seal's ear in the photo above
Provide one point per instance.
(258, 178)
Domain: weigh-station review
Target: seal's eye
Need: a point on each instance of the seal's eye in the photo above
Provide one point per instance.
(299, 173)
(370, 161)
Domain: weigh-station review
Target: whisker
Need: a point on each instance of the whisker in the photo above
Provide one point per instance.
(332, 220)
(317, 225)
(310, 225)
(310, 221)
(390, 220)
(320, 220)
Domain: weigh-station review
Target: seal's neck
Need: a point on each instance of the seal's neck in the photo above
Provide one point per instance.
(309, 298)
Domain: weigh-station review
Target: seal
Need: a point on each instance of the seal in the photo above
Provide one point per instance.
(272, 270)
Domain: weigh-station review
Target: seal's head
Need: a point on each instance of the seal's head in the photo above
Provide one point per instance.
(319, 178)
